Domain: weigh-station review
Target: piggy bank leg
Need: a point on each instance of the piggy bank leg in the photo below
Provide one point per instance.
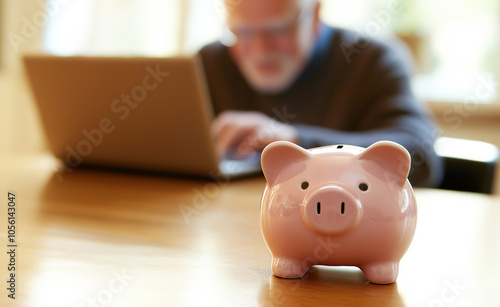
(381, 273)
(288, 268)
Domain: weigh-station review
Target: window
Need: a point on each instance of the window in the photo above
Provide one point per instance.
(131, 27)
(454, 43)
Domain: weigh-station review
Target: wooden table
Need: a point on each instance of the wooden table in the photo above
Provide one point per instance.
(100, 238)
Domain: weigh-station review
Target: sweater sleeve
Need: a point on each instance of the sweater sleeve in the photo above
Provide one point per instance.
(385, 109)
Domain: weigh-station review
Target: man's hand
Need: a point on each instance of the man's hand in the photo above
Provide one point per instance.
(240, 133)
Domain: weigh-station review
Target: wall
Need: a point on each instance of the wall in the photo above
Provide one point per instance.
(19, 125)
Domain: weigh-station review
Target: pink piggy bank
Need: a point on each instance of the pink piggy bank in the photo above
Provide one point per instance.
(338, 205)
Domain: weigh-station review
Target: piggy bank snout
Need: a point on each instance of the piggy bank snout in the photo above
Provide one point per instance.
(331, 209)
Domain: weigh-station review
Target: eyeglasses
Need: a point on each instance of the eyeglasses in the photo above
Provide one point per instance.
(280, 32)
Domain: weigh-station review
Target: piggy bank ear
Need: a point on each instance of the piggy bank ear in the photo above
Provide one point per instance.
(392, 157)
(277, 155)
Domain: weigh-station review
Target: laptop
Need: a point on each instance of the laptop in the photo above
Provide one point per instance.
(140, 113)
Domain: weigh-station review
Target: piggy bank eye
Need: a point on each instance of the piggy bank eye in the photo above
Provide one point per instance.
(304, 185)
(363, 187)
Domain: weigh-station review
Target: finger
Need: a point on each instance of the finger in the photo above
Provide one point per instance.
(221, 120)
(229, 137)
(247, 146)
(216, 126)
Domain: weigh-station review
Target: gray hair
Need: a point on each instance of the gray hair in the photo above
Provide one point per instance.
(302, 4)
(306, 4)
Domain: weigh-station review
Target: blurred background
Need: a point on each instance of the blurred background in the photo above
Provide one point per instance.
(454, 44)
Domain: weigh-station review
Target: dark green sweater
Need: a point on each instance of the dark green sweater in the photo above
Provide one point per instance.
(353, 91)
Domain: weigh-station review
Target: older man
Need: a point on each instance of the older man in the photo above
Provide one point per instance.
(288, 76)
